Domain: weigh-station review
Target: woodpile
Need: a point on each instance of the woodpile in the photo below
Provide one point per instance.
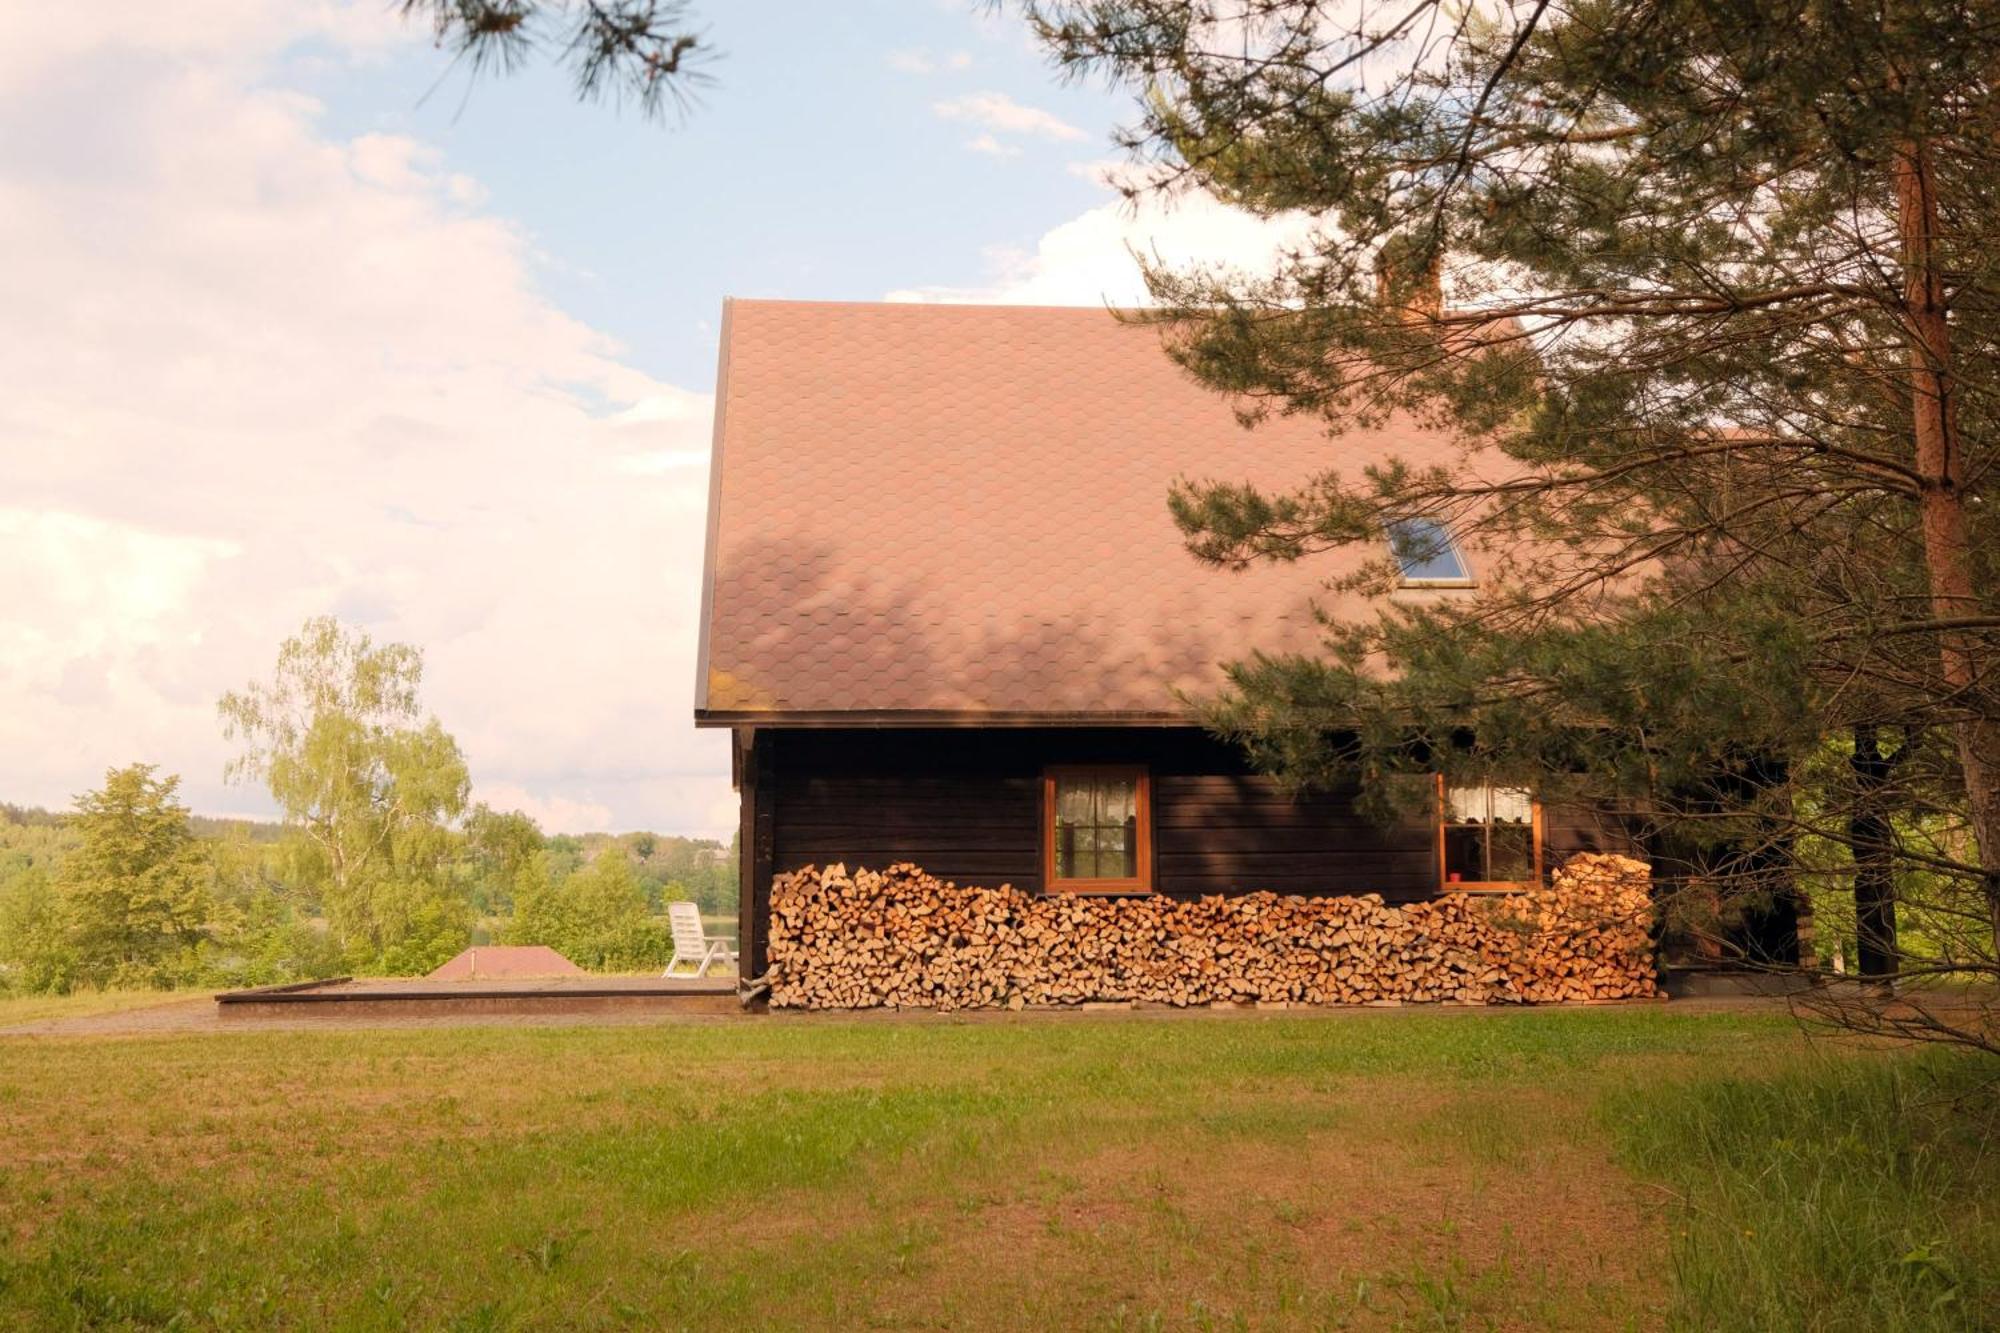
(904, 939)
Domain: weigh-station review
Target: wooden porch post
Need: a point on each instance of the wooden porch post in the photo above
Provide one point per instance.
(755, 842)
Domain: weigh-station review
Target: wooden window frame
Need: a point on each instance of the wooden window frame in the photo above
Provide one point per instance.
(1447, 885)
(1142, 883)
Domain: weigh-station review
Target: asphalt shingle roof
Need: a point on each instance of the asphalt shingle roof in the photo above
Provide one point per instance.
(961, 510)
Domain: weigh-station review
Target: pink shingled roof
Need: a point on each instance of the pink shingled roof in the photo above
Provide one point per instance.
(961, 510)
(489, 962)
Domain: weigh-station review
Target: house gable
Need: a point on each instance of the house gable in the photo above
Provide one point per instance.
(934, 515)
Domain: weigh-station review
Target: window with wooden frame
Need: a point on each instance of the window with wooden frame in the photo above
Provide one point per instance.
(1097, 834)
(1489, 838)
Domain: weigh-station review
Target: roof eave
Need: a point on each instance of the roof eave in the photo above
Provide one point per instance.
(913, 718)
(714, 516)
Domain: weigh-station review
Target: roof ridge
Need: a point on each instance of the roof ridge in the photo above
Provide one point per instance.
(989, 306)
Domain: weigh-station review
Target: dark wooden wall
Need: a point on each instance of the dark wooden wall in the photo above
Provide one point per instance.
(966, 805)
(1236, 832)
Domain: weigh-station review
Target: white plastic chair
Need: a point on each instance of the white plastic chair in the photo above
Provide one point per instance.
(692, 944)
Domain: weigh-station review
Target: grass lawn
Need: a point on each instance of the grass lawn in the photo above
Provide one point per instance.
(18, 1009)
(1632, 1168)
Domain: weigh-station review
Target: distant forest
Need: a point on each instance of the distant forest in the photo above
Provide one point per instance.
(599, 897)
(382, 865)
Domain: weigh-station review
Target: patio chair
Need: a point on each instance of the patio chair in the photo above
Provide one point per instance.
(692, 944)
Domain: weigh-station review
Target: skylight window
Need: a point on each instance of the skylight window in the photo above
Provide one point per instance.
(1427, 554)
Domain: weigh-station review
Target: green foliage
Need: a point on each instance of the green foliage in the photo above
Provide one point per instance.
(252, 830)
(1695, 295)
(669, 868)
(499, 845)
(697, 870)
(32, 837)
(378, 869)
(264, 926)
(597, 917)
(370, 786)
(648, 52)
(1932, 908)
(131, 897)
(36, 956)
(134, 892)
(566, 851)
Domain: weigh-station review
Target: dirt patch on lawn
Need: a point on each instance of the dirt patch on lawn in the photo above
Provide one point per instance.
(1375, 1218)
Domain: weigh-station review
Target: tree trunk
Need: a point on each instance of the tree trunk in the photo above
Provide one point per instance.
(1940, 464)
(1869, 836)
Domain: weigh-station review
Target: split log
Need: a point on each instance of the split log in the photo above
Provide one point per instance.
(899, 937)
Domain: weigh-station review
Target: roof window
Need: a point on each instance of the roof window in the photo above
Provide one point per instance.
(1426, 554)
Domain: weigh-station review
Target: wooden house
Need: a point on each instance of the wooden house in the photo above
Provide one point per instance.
(948, 619)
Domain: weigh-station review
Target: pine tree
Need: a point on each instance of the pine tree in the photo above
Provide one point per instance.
(134, 891)
(1710, 293)
(644, 51)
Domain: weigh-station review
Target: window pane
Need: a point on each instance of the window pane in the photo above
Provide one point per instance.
(1424, 550)
(1465, 805)
(1076, 845)
(1513, 854)
(1113, 850)
(1117, 800)
(1096, 827)
(1073, 800)
(1511, 805)
(1101, 854)
(1464, 855)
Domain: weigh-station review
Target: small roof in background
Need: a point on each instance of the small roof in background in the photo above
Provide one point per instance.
(961, 511)
(489, 962)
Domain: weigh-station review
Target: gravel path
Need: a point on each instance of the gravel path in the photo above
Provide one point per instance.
(201, 1014)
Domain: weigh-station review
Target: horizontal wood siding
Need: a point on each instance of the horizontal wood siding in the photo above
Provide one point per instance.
(1569, 829)
(1233, 833)
(965, 805)
(973, 829)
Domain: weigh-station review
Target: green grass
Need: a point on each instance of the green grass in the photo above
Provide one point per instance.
(18, 1009)
(1840, 1195)
(1406, 1170)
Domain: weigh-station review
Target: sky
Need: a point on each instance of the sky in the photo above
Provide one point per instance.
(297, 319)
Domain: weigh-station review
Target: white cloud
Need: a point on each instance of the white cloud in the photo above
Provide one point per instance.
(232, 34)
(999, 113)
(1091, 259)
(992, 147)
(556, 814)
(662, 461)
(925, 62)
(256, 373)
(91, 639)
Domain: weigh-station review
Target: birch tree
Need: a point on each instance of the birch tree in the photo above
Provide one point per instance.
(369, 784)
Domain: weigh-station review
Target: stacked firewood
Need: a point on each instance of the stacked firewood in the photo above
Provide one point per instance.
(901, 938)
